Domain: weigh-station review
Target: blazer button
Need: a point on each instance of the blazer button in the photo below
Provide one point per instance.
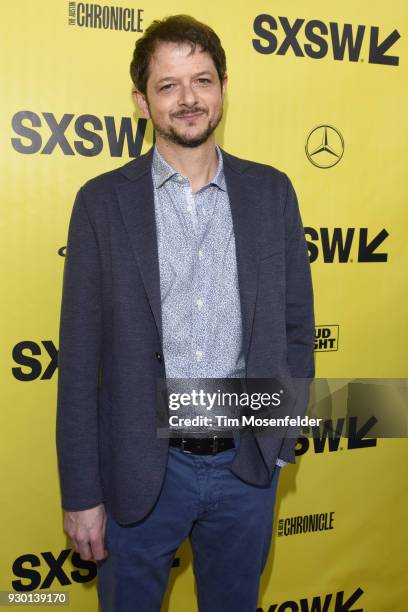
(159, 357)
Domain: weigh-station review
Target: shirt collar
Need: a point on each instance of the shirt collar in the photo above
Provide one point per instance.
(162, 171)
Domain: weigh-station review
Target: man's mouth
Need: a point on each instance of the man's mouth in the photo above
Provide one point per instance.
(190, 115)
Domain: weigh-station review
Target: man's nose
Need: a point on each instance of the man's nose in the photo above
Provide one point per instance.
(188, 95)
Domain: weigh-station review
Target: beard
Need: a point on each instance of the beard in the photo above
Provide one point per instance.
(172, 135)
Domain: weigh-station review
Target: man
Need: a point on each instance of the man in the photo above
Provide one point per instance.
(187, 262)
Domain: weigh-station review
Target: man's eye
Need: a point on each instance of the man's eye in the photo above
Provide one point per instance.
(204, 81)
(168, 86)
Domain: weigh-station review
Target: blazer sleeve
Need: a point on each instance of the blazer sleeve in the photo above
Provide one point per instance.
(79, 356)
(300, 323)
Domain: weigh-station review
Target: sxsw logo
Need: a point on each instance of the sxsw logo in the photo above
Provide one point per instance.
(343, 41)
(50, 570)
(326, 338)
(332, 602)
(356, 436)
(86, 135)
(335, 245)
(25, 354)
(45, 570)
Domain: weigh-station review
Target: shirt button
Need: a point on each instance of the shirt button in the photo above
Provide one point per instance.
(199, 354)
(199, 303)
(179, 178)
(189, 208)
(200, 254)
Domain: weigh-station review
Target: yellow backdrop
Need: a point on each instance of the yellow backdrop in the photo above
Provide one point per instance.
(315, 89)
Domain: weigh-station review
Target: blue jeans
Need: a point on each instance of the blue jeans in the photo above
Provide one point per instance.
(228, 522)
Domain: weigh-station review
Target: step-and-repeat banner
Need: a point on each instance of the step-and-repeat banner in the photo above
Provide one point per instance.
(316, 89)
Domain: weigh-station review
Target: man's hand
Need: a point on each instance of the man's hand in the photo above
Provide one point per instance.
(86, 529)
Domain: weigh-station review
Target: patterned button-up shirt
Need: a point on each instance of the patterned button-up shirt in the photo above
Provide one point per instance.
(201, 311)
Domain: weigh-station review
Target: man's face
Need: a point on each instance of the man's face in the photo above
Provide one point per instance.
(184, 96)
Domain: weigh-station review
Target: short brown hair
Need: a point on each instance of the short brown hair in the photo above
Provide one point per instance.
(179, 29)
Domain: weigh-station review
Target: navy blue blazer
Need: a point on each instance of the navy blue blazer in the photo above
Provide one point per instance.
(110, 337)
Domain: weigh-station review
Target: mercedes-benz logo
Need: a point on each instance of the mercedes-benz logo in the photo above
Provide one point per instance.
(324, 146)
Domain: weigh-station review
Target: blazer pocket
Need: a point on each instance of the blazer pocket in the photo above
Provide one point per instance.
(271, 272)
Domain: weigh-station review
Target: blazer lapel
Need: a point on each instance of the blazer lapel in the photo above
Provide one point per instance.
(136, 201)
(243, 196)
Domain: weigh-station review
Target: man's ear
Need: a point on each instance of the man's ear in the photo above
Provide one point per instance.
(224, 85)
(140, 100)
